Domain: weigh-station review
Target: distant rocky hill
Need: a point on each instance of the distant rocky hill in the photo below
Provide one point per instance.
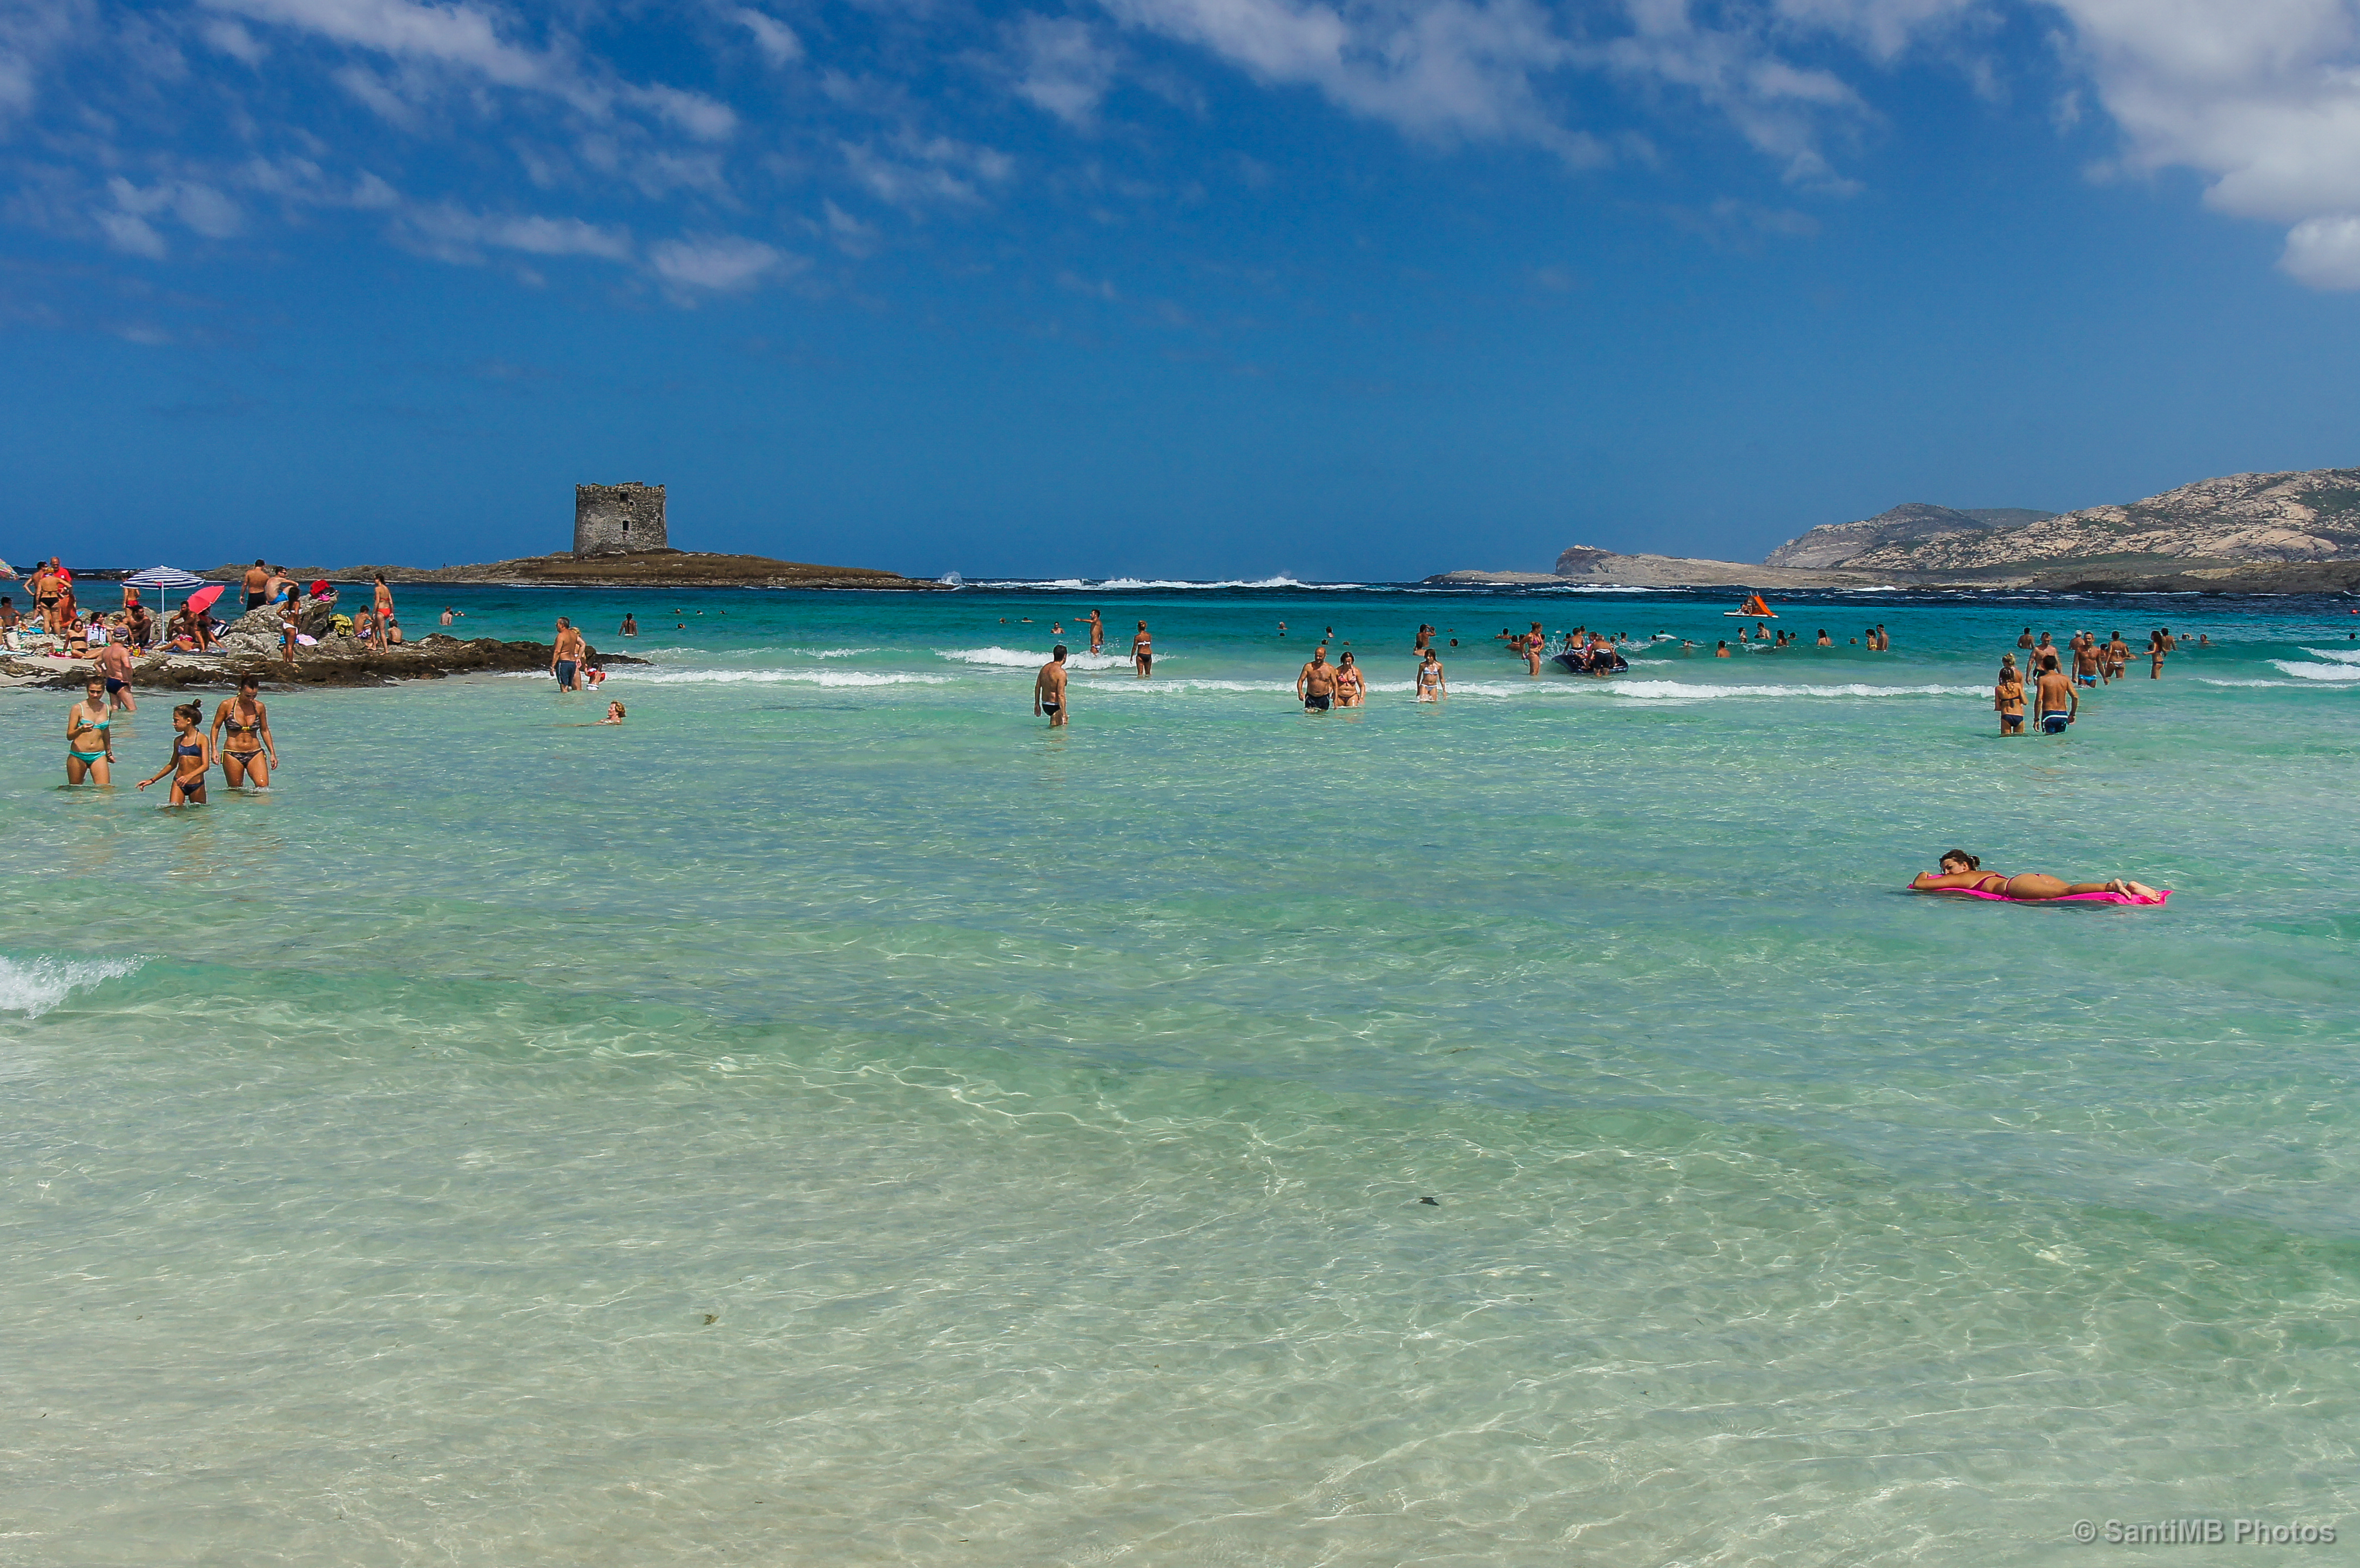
(1911, 523)
(2244, 517)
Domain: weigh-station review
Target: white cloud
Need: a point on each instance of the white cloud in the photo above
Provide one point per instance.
(2325, 252)
(453, 34)
(693, 112)
(30, 32)
(1061, 67)
(200, 208)
(920, 169)
(131, 234)
(722, 263)
(1437, 69)
(231, 38)
(1780, 108)
(773, 38)
(451, 232)
(848, 234)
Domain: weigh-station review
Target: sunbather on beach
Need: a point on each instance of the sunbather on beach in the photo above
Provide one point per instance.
(1962, 873)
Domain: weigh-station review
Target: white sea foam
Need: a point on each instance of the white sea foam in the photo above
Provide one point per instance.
(2302, 672)
(1074, 584)
(33, 986)
(1016, 659)
(1158, 685)
(2339, 655)
(772, 678)
(1690, 689)
(831, 652)
(2279, 685)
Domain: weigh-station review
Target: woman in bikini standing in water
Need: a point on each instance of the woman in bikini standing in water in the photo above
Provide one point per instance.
(90, 747)
(1352, 686)
(192, 758)
(1962, 873)
(250, 753)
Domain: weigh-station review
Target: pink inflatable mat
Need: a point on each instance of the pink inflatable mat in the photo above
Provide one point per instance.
(2163, 897)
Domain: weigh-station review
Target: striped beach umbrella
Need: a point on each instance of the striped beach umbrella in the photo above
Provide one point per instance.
(164, 580)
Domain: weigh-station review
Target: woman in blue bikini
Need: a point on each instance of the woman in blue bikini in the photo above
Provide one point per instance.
(192, 758)
(90, 748)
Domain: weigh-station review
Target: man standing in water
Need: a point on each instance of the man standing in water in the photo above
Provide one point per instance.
(2057, 702)
(115, 668)
(565, 658)
(1098, 632)
(2085, 659)
(1314, 686)
(1049, 688)
(1142, 652)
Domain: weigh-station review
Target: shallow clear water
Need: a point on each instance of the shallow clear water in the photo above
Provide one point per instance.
(1042, 1121)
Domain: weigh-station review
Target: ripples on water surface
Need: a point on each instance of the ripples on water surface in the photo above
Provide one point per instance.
(1041, 1122)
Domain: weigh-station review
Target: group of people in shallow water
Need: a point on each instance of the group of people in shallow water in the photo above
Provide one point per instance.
(2056, 697)
(239, 742)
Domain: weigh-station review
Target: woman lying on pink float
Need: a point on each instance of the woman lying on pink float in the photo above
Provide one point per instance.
(1962, 873)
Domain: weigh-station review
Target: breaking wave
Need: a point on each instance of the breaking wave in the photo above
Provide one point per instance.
(1691, 690)
(1016, 659)
(771, 677)
(2302, 672)
(33, 986)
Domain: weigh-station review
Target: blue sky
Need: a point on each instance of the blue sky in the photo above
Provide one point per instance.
(1200, 287)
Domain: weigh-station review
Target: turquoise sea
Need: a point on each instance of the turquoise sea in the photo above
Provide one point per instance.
(831, 1120)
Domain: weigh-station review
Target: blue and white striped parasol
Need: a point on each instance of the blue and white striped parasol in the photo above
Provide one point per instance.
(164, 580)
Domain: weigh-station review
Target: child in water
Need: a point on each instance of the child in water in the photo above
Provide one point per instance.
(192, 758)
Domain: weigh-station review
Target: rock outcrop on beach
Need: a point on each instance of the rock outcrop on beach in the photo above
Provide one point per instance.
(1911, 523)
(250, 647)
(638, 568)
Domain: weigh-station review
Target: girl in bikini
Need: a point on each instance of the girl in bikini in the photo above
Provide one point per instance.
(192, 758)
(1430, 688)
(1962, 873)
(90, 748)
(250, 753)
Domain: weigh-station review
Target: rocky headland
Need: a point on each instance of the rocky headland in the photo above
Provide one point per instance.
(635, 568)
(2244, 533)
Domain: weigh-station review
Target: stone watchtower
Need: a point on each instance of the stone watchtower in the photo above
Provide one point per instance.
(611, 519)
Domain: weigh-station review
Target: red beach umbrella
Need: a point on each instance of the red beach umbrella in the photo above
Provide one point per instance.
(203, 599)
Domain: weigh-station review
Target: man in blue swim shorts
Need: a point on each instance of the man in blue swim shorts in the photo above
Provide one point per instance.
(2058, 702)
(565, 658)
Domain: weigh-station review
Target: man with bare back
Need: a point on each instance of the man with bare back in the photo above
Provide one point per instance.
(1049, 689)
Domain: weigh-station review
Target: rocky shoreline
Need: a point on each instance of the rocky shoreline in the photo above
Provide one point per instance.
(251, 647)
